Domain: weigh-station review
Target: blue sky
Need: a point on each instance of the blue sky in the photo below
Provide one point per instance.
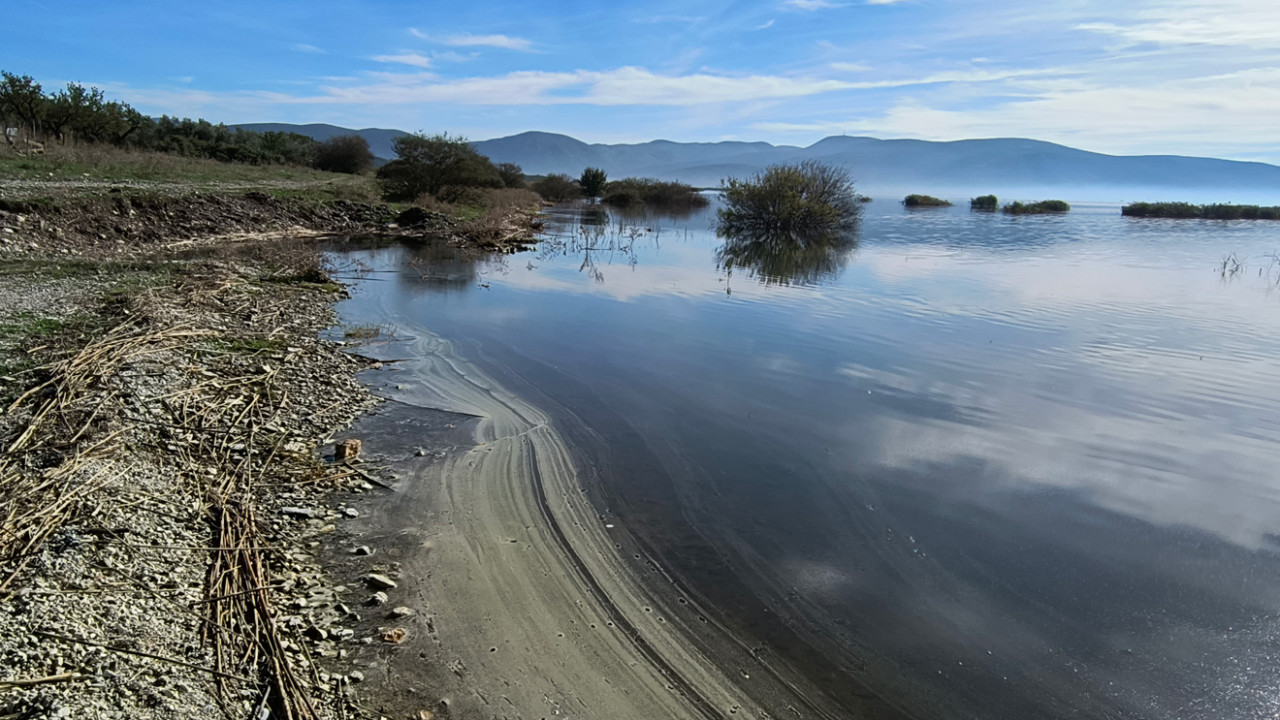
(1195, 77)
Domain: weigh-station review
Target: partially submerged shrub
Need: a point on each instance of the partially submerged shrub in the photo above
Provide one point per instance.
(1225, 211)
(917, 201)
(1163, 210)
(428, 164)
(985, 203)
(1043, 207)
(805, 198)
(592, 182)
(344, 154)
(663, 194)
(557, 188)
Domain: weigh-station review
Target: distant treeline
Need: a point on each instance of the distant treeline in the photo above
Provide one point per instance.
(79, 114)
(1206, 212)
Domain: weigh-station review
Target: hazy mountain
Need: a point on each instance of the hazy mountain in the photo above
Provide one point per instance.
(1008, 166)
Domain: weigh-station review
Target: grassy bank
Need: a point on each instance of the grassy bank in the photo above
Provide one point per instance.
(1183, 210)
(90, 169)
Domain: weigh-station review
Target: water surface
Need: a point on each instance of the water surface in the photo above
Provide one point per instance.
(967, 466)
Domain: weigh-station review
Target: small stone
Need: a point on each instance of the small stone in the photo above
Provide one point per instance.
(362, 550)
(378, 598)
(425, 715)
(298, 512)
(348, 449)
(351, 512)
(402, 612)
(380, 582)
(316, 633)
(355, 676)
(395, 636)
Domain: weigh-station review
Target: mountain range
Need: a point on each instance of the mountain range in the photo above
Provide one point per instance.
(1011, 167)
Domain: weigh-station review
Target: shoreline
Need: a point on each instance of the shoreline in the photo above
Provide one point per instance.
(531, 603)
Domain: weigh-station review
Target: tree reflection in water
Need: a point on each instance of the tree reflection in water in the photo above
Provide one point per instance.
(602, 238)
(786, 259)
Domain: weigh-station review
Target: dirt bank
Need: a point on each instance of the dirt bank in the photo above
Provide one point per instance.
(166, 459)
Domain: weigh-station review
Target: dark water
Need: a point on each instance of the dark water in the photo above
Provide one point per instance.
(972, 465)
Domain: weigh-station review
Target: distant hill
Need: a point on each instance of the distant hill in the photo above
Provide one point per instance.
(1009, 166)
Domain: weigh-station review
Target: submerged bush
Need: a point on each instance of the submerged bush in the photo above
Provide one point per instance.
(809, 197)
(1184, 210)
(633, 192)
(592, 182)
(557, 188)
(985, 203)
(913, 201)
(1043, 207)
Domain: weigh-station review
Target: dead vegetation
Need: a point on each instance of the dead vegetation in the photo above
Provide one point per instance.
(137, 476)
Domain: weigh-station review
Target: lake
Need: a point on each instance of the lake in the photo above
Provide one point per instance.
(964, 465)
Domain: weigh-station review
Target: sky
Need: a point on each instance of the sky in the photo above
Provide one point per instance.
(1187, 77)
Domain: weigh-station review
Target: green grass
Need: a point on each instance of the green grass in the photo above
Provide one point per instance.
(921, 201)
(73, 169)
(1044, 207)
(1182, 210)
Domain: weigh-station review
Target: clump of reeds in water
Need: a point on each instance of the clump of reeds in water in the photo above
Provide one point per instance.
(661, 194)
(921, 201)
(1044, 207)
(985, 203)
(1216, 211)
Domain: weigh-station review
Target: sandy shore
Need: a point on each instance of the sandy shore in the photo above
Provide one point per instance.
(531, 608)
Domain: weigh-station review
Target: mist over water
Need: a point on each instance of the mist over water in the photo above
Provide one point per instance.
(970, 464)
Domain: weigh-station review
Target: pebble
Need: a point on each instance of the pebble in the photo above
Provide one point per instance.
(351, 512)
(378, 598)
(298, 512)
(362, 550)
(401, 612)
(381, 582)
(355, 676)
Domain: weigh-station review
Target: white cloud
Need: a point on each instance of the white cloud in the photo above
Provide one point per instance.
(413, 59)
(306, 48)
(1232, 23)
(765, 26)
(809, 5)
(503, 42)
(884, 2)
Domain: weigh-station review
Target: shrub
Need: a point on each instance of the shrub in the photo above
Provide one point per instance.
(1163, 210)
(512, 175)
(985, 203)
(805, 198)
(429, 164)
(593, 181)
(557, 188)
(914, 201)
(1043, 207)
(667, 195)
(344, 154)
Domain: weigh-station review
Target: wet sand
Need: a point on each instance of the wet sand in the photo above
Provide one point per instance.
(528, 606)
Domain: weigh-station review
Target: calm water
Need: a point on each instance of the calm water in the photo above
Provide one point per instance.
(978, 466)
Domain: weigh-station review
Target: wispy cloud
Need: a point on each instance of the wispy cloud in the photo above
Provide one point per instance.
(809, 5)
(504, 42)
(407, 58)
(306, 48)
(1231, 23)
(656, 19)
(765, 26)
(884, 2)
